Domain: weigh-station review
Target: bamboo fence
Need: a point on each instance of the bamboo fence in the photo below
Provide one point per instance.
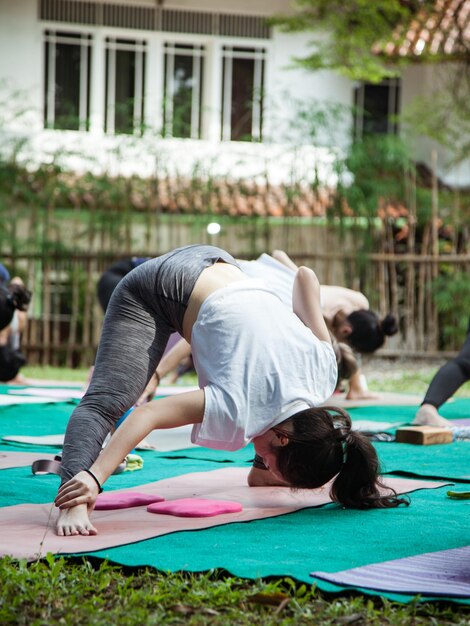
(65, 319)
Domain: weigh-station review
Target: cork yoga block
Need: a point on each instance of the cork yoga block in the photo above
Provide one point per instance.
(423, 435)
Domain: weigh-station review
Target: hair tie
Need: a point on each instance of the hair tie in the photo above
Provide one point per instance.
(344, 446)
(100, 488)
(345, 439)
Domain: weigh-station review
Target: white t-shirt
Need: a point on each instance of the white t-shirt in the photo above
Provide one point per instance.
(257, 363)
(281, 279)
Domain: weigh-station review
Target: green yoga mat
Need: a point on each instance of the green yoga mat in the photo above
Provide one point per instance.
(35, 419)
(450, 461)
(327, 538)
(458, 408)
(291, 545)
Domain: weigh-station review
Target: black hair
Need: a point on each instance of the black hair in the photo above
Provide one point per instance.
(11, 361)
(345, 359)
(369, 331)
(12, 297)
(321, 446)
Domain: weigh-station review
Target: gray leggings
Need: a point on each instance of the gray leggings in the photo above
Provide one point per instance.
(145, 308)
(450, 377)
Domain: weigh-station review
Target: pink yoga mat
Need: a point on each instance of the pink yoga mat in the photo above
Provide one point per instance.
(20, 459)
(384, 398)
(27, 530)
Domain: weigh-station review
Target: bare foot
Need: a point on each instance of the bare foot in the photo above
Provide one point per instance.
(427, 415)
(75, 521)
(264, 478)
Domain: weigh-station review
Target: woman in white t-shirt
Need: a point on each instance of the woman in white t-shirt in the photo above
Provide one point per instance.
(346, 311)
(352, 324)
(263, 371)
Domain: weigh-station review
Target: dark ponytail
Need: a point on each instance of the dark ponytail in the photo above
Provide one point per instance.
(12, 297)
(368, 331)
(322, 446)
(358, 485)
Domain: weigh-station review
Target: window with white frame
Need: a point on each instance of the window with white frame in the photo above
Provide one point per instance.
(376, 108)
(183, 80)
(125, 85)
(242, 93)
(67, 80)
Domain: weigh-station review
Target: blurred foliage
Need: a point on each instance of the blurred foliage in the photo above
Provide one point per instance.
(444, 114)
(346, 31)
(451, 292)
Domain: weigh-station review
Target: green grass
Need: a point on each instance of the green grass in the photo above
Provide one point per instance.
(92, 592)
(62, 374)
(404, 377)
(66, 591)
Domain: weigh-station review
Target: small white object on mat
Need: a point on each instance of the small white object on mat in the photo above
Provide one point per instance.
(62, 394)
(11, 400)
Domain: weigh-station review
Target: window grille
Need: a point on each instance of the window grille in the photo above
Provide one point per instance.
(194, 22)
(76, 12)
(155, 18)
(125, 16)
(244, 26)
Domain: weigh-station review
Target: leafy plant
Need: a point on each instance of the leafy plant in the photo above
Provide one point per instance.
(345, 33)
(451, 291)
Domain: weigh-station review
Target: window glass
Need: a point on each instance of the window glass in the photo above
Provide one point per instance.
(125, 86)
(242, 93)
(183, 91)
(376, 108)
(67, 81)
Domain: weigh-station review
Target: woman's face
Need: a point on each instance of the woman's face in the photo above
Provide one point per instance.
(266, 446)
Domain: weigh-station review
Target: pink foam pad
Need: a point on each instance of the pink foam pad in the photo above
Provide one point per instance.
(124, 500)
(195, 507)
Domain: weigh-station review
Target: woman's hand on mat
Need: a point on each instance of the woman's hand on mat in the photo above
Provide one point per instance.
(81, 489)
(75, 521)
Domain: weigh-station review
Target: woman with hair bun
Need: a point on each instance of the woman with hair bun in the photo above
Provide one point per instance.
(363, 329)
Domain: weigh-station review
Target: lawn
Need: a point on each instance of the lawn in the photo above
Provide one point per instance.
(78, 591)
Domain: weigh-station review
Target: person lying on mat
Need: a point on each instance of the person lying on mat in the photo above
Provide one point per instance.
(263, 370)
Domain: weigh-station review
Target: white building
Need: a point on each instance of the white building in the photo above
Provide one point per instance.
(119, 84)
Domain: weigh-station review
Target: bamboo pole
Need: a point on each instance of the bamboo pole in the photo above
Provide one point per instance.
(434, 334)
(75, 307)
(421, 321)
(410, 287)
(392, 276)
